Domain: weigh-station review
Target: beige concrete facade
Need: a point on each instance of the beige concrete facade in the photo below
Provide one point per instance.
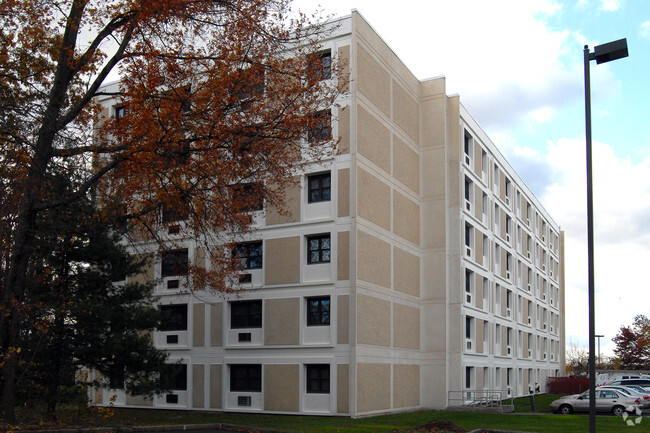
(437, 271)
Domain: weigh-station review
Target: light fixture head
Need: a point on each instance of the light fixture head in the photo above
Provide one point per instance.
(610, 51)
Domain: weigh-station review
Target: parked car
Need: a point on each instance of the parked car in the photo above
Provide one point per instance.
(641, 389)
(625, 382)
(643, 396)
(605, 378)
(607, 400)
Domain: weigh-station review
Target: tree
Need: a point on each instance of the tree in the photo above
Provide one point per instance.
(217, 96)
(100, 323)
(633, 344)
(577, 361)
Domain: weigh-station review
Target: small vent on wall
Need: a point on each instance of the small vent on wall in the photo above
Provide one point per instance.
(172, 339)
(244, 400)
(244, 337)
(245, 278)
(173, 284)
(171, 398)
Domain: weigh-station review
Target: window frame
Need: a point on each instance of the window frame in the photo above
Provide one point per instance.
(179, 380)
(318, 378)
(179, 317)
(315, 185)
(171, 266)
(247, 382)
(322, 315)
(324, 254)
(320, 128)
(248, 319)
(248, 197)
(243, 251)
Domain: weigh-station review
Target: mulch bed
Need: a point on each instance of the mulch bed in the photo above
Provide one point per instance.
(435, 426)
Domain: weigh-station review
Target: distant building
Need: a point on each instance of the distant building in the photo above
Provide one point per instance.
(415, 268)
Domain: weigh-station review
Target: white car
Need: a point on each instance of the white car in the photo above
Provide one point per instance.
(607, 400)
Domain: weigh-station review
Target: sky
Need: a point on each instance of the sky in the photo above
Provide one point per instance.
(519, 70)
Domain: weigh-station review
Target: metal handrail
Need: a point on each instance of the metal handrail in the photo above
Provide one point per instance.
(476, 398)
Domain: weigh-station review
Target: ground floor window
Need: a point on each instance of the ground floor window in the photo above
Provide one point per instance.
(318, 378)
(245, 378)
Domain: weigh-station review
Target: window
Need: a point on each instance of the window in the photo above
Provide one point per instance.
(174, 262)
(485, 208)
(248, 197)
(249, 86)
(246, 314)
(469, 374)
(469, 285)
(320, 128)
(116, 377)
(469, 232)
(249, 255)
(469, 187)
(486, 294)
(174, 317)
(318, 379)
(322, 65)
(468, 148)
(469, 328)
(177, 378)
(245, 378)
(484, 164)
(171, 214)
(318, 249)
(318, 311)
(320, 188)
(119, 112)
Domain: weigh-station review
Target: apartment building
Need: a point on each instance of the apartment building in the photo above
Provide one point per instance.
(413, 266)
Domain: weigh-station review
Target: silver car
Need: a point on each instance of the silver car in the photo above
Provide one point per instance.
(629, 391)
(607, 400)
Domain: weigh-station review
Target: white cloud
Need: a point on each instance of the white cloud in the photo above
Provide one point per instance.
(644, 32)
(611, 5)
(500, 56)
(622, 233)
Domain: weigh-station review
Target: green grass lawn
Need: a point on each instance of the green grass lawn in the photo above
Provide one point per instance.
(522, 420)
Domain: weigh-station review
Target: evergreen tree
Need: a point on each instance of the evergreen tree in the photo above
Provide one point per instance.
(82, 313)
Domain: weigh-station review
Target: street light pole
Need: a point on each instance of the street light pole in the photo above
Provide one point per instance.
(602, 53)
